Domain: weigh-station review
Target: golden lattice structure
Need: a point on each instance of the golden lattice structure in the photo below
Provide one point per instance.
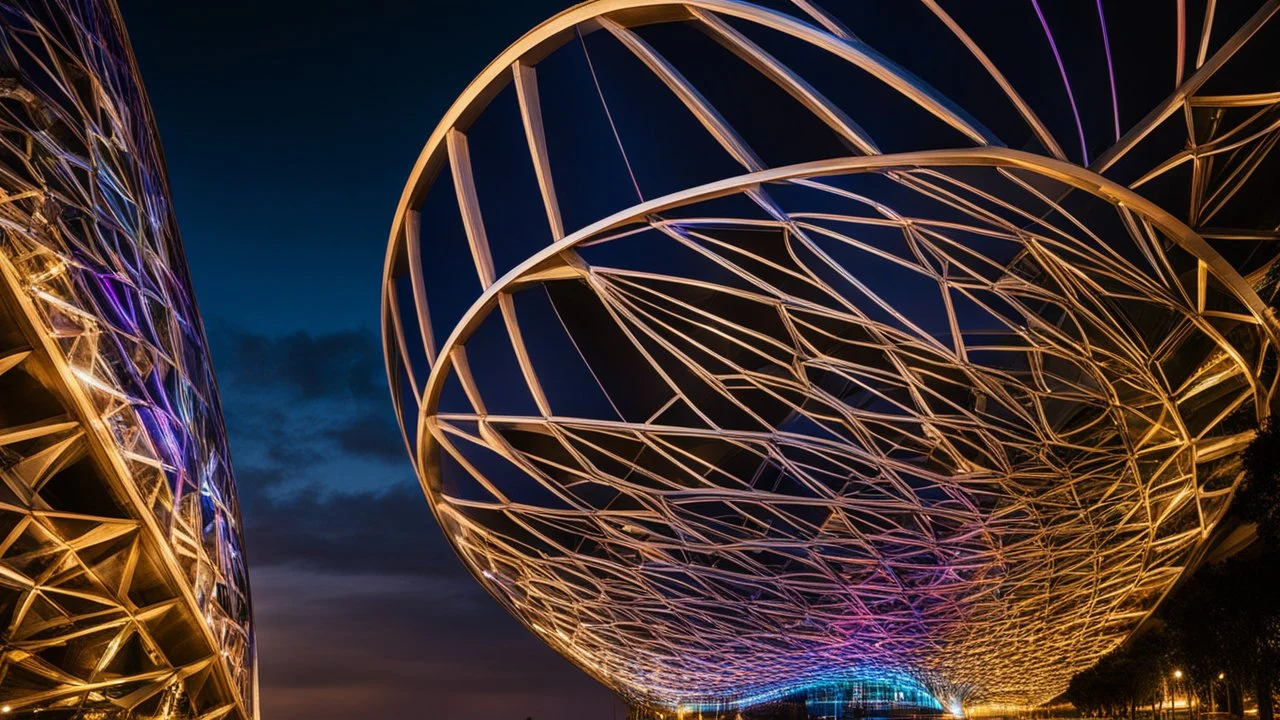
(791, 370)
(123, 586)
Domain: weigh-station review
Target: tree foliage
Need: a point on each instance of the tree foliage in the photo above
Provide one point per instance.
(1258, 498)
(1127, 678)
(1228, 621)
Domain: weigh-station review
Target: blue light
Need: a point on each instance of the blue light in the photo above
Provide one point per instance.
(872, 688)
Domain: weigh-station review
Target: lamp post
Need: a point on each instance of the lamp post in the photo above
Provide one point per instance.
(1177, 678)
(1220, 678)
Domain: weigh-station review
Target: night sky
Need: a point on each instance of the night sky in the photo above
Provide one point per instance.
(289, 130)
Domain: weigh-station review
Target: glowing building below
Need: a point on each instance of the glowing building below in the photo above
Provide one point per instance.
(123, 589)
(901, 347)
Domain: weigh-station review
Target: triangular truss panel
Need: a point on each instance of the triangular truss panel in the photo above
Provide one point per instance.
(123, 587)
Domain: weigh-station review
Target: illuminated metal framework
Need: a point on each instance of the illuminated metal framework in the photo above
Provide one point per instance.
(789, 371)
(123, 587)
(877, 694)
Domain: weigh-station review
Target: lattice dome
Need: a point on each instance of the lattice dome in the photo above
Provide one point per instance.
(790, 368)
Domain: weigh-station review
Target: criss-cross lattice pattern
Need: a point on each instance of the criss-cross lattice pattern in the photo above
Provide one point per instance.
(907, 402)
(123, 587)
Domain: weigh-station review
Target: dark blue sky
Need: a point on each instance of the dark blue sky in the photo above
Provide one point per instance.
(289, 129)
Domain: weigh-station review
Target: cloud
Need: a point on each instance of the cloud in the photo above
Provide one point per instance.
(362, 608)
(325, 481)
(343, 364)
(368, 436)
(313, 527)
(310, 407)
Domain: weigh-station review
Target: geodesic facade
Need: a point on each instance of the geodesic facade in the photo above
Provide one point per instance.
(123, 586)
(802, 348)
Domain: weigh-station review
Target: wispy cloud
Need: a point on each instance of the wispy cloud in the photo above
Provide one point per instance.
(310, 411)
(362, 608)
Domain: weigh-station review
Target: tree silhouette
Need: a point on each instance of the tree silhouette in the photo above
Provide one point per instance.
(1128, 678)
(1258, 498)
(1228, 622)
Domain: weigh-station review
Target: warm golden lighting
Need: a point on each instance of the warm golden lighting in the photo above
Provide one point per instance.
(654, 504)
(921, 404)
(94, 303)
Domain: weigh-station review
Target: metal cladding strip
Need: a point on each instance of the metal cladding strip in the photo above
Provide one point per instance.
(124, 562)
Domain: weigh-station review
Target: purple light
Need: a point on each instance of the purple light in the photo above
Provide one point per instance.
(1084, 149)
(1111, 71)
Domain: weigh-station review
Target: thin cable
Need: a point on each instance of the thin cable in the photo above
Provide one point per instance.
(1111, 71)
(1084, 149)
(617, 138)
(590, 369)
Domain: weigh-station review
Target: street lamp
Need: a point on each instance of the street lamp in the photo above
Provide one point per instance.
(1177, 675)
(1226, 690)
